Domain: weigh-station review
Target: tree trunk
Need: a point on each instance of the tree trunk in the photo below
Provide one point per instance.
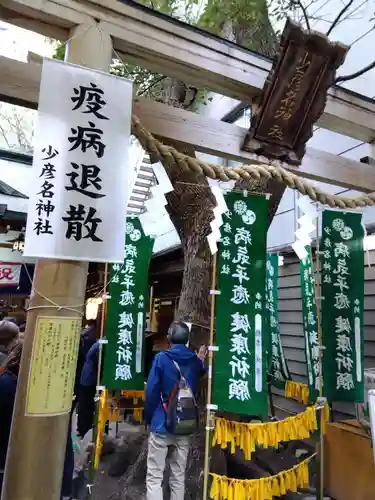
(270, 187)
(190, 207)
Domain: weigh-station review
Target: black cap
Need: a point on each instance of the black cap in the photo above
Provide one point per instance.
(178, 333)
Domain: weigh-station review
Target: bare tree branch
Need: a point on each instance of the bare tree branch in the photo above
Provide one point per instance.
(298, 3)
(350, 15)
(356, 74)
(340, 14)
(15, 128)
(4, 134)
(152, 84)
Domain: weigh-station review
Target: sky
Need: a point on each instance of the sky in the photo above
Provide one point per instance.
(16, 42)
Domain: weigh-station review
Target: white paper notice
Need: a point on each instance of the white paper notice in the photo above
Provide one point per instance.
(81, 167)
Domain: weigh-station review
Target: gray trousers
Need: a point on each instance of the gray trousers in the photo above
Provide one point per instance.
(158, 446)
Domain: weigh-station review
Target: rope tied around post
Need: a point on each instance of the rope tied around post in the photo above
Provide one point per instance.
(170, 156)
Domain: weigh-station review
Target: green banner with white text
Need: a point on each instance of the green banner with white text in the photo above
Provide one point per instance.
(310, 325)
(277, 363)
(128, 290)
(239, 380)
(342, 306)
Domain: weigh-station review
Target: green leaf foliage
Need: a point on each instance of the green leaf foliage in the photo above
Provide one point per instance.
(244, 22)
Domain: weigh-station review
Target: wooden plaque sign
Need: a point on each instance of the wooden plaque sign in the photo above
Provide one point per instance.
(294, 94)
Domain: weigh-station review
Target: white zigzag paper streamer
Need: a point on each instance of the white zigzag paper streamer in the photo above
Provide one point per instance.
(306, 226)
(156, 199)
(220, 208)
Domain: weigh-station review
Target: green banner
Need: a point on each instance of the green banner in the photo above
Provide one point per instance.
(342, 306)
(240, 364)
(277, 363)
(310, 325)
(128, 289)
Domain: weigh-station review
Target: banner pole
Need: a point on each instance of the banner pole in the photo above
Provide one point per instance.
(102, 324)
(318, 298)
(95, 431)
(209, 382)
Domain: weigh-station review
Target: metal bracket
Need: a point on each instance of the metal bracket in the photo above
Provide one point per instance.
(212, 407)
(321, 401)
(215, 292)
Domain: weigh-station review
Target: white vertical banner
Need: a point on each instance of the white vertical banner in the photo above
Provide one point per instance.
(81, 168)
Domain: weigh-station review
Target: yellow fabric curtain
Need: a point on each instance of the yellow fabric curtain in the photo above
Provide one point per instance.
(229, 434)
(265, 488)
(298, 391)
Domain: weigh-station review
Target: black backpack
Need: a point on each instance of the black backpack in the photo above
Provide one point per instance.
(182, 414)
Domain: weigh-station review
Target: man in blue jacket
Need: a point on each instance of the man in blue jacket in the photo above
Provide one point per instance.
(163, 378)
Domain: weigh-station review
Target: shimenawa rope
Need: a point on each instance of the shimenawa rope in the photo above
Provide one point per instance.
(170, 156)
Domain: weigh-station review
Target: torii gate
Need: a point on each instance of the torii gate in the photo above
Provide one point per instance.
(95, 28)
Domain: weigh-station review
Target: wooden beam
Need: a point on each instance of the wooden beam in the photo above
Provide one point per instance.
(225, 140)
(31, 24)
(20, 82)
(172, 48)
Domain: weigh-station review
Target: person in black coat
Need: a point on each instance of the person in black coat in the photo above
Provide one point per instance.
(86, 341)
(87, 390)
(8, 386)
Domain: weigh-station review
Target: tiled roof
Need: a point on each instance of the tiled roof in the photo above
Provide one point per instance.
(9, 191)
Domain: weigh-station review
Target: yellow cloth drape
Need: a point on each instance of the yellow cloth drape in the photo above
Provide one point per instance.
(298, 391)
(138, 414)
(134, 394)
(113, 414)
(229, 434)
(102, 418)
(265, 488)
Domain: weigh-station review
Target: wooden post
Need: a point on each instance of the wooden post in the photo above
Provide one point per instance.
(37, 445)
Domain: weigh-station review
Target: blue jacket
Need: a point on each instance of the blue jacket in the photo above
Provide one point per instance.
(90, 368)
(163, 378)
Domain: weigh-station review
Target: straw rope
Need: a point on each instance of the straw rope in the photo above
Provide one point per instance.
(169, 156)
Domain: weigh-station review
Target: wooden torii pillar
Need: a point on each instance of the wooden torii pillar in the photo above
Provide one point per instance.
(37, 445)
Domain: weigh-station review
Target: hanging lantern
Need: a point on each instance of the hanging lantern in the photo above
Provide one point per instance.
(92, 307)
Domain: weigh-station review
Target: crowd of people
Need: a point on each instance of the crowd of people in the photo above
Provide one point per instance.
(171, 412)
